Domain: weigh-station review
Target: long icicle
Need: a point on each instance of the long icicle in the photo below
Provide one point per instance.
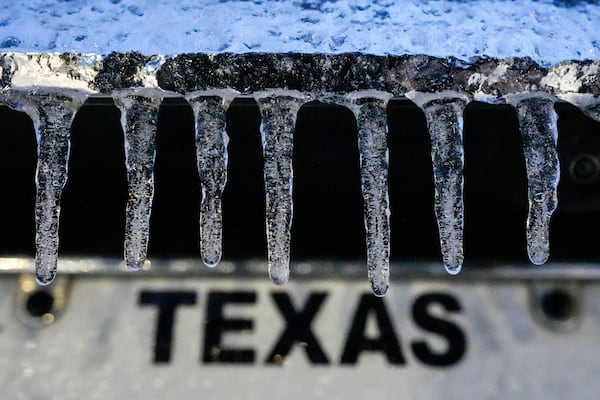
(211, 155)
(277, 128)
(371, 119)
(445, 123)
(139, 117)
(52, 116)
(539, 131)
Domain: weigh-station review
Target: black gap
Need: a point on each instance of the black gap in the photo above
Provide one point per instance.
(328, 221)
(573, 234)
(93, 202)
(174, 225)
(495, 185)
(414, 229)
(18, 158)
(243, 198)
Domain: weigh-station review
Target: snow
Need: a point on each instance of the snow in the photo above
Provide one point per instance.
(549, 31)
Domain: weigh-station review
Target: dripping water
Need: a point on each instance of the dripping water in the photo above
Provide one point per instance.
(277, 129)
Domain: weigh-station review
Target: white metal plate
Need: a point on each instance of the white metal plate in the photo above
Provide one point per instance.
(101, 346)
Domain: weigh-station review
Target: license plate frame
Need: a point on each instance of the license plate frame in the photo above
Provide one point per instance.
(100, 338)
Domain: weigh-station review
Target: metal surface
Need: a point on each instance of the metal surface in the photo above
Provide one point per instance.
(521, 338)
(185, 267)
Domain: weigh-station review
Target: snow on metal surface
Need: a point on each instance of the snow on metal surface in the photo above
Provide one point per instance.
(547, 30)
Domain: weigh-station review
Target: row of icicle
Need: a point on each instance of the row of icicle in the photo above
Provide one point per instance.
(139, 113)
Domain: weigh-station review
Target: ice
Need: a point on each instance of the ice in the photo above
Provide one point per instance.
(445, 124)
(52, 115)
(577, 82)
(279, 113)
(211, 153)
(549, 31)
(594, 112)
(537, 121)
(371, 119)
(52, 126)
(139, 115)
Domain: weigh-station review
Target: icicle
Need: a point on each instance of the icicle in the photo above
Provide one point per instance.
(371, 118)
(277, 128)
(445, 123)
(52, 115)
(139, 115)
(593, 111)
(211, 154)
(537, 120)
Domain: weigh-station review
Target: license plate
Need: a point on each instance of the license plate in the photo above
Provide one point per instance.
(215, 335)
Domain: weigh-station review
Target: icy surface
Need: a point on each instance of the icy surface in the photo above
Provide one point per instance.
(537, 120)
(211, 154)
(578, 83)
(279, 114)
(371, 120)
(547, 30)
(445, 124)
(53, 70)
(139, 116)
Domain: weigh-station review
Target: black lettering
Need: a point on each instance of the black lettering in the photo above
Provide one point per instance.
(298, 328)
(357, 342)
(457, 343)
(166, 302)
(216, 325)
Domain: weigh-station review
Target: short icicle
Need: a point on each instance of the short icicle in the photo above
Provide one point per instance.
(139, 115)
(371, 119)
(279, 113)
(537, 121)
(445, 124)
(52, 116)
(211, 156)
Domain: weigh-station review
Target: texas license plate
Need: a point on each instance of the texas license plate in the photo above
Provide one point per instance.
(228, 336)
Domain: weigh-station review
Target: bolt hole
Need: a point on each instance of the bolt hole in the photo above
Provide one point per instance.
(584, 169)
(40, 303)
(558, 305)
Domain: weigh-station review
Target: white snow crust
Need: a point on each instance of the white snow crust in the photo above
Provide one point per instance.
(548, 31)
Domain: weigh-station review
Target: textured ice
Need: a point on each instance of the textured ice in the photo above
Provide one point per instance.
(371, 119)
(52, 114)
(139, 117)
(211, 154)
(444, 114)
(277, 128)
(537, 120)
(549, 31)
